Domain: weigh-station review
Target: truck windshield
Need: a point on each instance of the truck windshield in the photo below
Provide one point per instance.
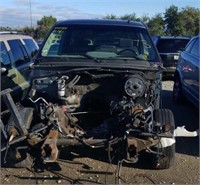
(100, 41)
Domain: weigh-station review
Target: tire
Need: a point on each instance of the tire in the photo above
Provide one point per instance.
(166, 160)
(178, 96)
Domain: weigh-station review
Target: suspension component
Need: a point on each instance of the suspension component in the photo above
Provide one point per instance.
(49, 148)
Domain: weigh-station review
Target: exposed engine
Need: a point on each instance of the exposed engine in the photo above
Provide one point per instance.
(95, 109)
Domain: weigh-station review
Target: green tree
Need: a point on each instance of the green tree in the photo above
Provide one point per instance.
(145, 19)
(7, 28)
(28, 31)
(189, 19)
(111, 16)
(172, 21)
(156, 25)
(182, 23)
(44, 25)
(131, 17)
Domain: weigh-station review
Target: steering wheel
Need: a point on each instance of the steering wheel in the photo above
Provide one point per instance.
(127, 50)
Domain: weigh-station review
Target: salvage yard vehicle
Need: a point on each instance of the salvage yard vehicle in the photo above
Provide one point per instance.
(169, 49)
(16, 53)
(95, 83)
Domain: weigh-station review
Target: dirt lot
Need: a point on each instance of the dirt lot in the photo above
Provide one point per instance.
(96, 170)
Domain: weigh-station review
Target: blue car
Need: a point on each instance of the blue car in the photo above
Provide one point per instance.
(186, 81)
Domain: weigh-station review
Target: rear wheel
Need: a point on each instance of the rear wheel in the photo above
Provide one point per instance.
(177, 91)
(166, 159)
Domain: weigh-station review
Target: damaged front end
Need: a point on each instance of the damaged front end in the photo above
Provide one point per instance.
(96, 110)
(96, 84)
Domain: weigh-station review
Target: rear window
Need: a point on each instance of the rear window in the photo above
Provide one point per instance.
(32, 47)
(171, 45)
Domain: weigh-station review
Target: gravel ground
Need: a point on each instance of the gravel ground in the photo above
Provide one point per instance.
(95, 170)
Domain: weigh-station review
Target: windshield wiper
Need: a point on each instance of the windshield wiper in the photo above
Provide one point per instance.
(91, 57)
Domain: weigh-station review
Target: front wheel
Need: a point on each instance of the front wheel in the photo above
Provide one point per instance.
(166, 160)
(177, 91)
(166, 147)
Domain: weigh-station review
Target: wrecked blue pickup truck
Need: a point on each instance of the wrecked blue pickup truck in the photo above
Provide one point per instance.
(95, 83)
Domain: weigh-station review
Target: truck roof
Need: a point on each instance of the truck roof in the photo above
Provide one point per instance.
(101, 22)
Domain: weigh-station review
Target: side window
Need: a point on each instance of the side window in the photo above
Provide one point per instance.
(52, 44)
(32, 47)
(4, 57)
(189, 46)
(19, 53)
(195, 48)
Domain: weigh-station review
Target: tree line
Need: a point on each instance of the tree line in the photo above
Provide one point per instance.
(173, 22)
(39, 32)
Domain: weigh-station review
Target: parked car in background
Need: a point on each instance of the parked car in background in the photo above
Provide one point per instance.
(186, 79)
(16, 52)
(169, 49)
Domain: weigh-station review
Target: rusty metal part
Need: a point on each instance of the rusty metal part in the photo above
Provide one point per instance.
(34, 139)
(64, 120)
(132, 153)
(137, 109)
(68, 142)
(18, 155)
(75, 142)
(135, 145)
(167, 127)
(12, 132)
(49, 148)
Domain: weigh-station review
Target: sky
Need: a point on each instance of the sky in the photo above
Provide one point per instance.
(20, 13)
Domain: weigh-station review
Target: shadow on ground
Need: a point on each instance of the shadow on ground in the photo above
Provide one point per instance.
(184, 114)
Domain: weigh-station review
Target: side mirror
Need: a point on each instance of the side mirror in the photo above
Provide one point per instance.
(4, 71)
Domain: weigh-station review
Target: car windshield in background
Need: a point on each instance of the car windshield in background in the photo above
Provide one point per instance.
(171, 45)
(100, 41)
